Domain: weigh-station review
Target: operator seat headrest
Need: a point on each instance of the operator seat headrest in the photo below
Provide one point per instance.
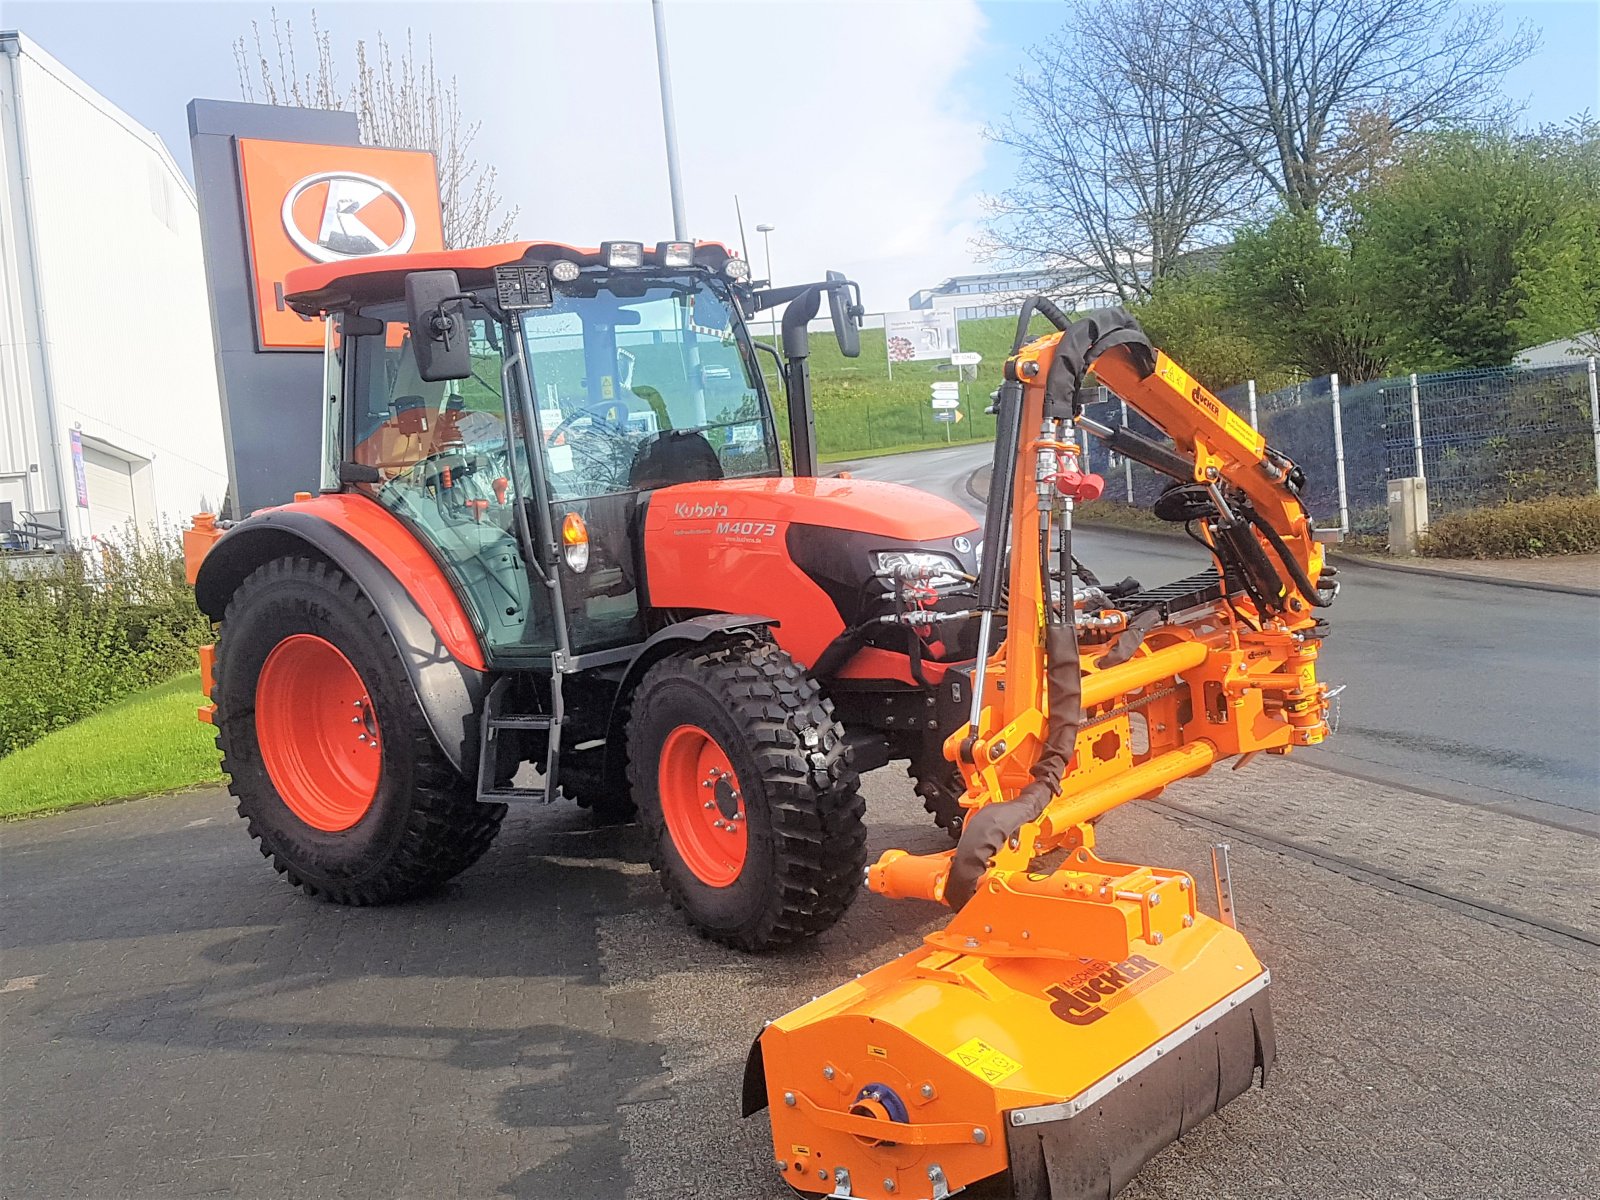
(674, 457)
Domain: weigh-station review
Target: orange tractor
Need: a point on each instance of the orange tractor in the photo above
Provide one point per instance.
(554, 551)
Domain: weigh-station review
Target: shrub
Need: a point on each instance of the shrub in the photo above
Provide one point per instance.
(81, 630)
(1528, 529)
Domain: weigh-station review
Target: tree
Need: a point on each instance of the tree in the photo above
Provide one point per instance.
(1477, 245)
(1117, 175)
(1293, 86)
(399, 102)
(1293, 286)
(1189, 316)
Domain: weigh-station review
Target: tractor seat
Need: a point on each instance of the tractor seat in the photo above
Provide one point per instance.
(674, 457)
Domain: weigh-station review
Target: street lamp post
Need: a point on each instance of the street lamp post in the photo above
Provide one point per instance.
(669, 122)
(766, 240)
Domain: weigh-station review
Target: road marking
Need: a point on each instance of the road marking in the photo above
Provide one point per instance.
(196, 824)
(21, 983)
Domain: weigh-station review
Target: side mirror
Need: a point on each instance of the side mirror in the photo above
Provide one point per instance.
(437, 315)
(846, 315)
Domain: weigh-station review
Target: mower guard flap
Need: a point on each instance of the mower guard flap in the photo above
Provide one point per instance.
(1095, 1153)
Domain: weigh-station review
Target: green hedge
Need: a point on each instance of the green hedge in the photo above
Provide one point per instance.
(1527, 529)
(79, 631)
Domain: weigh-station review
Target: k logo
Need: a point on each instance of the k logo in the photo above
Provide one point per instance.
(334, 215)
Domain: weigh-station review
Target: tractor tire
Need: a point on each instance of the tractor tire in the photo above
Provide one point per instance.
(745, 790)
(940, 785)
(329, 756)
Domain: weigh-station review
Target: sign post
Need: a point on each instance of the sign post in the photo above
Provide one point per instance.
(946, 400)
(961, 360)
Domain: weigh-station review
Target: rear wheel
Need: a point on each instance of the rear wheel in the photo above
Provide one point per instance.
(744, 787)
(331, 761)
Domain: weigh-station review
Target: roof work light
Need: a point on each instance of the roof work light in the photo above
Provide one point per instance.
(623, 254)
(675, 254)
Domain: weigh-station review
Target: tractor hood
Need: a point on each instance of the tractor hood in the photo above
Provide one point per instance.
(800, 551)
(888, 510)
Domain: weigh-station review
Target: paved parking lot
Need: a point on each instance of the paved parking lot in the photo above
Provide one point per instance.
(177, 1022)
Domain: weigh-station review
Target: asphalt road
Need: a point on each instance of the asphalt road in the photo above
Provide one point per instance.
(179, 1023)
(1485, 694)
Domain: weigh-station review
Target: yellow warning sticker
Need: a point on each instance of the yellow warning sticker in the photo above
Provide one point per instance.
(984, 1061)
(800, 1151)
(877, 1052)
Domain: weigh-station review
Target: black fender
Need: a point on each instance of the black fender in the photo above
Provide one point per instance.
(657, 646)
(449, 693)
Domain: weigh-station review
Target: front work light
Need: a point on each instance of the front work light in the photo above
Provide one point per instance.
(622, 254)
(675, 254)
(736, 269)
(575, 542)
(563, 271)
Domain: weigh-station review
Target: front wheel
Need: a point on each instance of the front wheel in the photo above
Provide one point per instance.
(744, 787)
(329, 756)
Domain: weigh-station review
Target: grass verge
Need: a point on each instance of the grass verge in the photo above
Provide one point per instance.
(147, 743)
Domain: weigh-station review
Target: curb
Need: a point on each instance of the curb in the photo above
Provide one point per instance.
(1527, 585)
(981, 496)
(1344, 557)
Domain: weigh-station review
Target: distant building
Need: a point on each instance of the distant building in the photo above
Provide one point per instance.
(1559, 353)
(1001, 293)
(108, 390)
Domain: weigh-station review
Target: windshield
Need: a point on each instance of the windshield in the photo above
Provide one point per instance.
(640, 382)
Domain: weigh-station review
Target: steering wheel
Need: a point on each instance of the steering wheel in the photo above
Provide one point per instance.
(608, 416)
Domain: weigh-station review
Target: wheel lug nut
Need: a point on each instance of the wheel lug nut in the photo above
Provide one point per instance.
(709, 804)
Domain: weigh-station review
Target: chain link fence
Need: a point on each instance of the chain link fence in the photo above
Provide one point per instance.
(1480, 438)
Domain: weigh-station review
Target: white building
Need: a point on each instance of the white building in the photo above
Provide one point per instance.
(108, 389)
(1001, 293)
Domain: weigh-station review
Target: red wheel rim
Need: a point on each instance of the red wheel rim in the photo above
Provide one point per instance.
(318, 732)
(703, 805)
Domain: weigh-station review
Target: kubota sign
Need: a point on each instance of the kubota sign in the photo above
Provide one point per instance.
(309, 203)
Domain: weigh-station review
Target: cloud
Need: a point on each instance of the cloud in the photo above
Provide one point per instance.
(842, 124)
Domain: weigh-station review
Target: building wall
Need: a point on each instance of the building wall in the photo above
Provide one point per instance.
(108, 312)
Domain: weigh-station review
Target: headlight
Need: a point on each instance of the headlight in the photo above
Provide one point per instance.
(736, 269)
(675, 254)
(563, 271)
(937, 569)
(622, 254)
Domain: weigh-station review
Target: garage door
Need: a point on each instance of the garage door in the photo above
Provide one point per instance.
(110, 482)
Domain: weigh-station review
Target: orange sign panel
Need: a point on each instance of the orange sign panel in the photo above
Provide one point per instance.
(306, 203)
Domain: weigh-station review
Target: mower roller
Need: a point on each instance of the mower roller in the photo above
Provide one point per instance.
(1077, 1014)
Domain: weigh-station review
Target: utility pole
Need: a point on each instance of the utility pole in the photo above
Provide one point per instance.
(766, 240)
(670, 122)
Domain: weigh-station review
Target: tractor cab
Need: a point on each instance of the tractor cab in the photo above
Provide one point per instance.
(514, 407)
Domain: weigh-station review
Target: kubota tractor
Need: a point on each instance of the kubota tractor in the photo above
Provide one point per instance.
(554, 551)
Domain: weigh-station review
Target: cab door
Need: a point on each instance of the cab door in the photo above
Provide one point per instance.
(451, 463)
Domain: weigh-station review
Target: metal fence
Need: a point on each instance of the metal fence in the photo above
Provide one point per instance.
(1479, 438)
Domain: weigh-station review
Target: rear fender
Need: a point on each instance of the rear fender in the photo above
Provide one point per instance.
(423, 615)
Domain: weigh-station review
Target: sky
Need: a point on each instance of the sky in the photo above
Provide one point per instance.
(854, 128)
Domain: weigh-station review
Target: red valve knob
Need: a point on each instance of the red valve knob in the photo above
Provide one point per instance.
(478, 507)
(501, 485)
(1080, 485)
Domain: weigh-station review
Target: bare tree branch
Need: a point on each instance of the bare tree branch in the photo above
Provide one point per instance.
(402, 103)
(1118, 176)
(1287, 83)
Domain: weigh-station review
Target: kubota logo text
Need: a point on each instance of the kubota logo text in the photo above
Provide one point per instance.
(335, 215)
(699, 510)
(1086, 998)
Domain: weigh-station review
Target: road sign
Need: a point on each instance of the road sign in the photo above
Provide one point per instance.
(965, 358)
(948, 415)
(944, 402)
(946, 387)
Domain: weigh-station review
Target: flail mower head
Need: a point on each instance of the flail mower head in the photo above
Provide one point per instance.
(1072, 1019)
